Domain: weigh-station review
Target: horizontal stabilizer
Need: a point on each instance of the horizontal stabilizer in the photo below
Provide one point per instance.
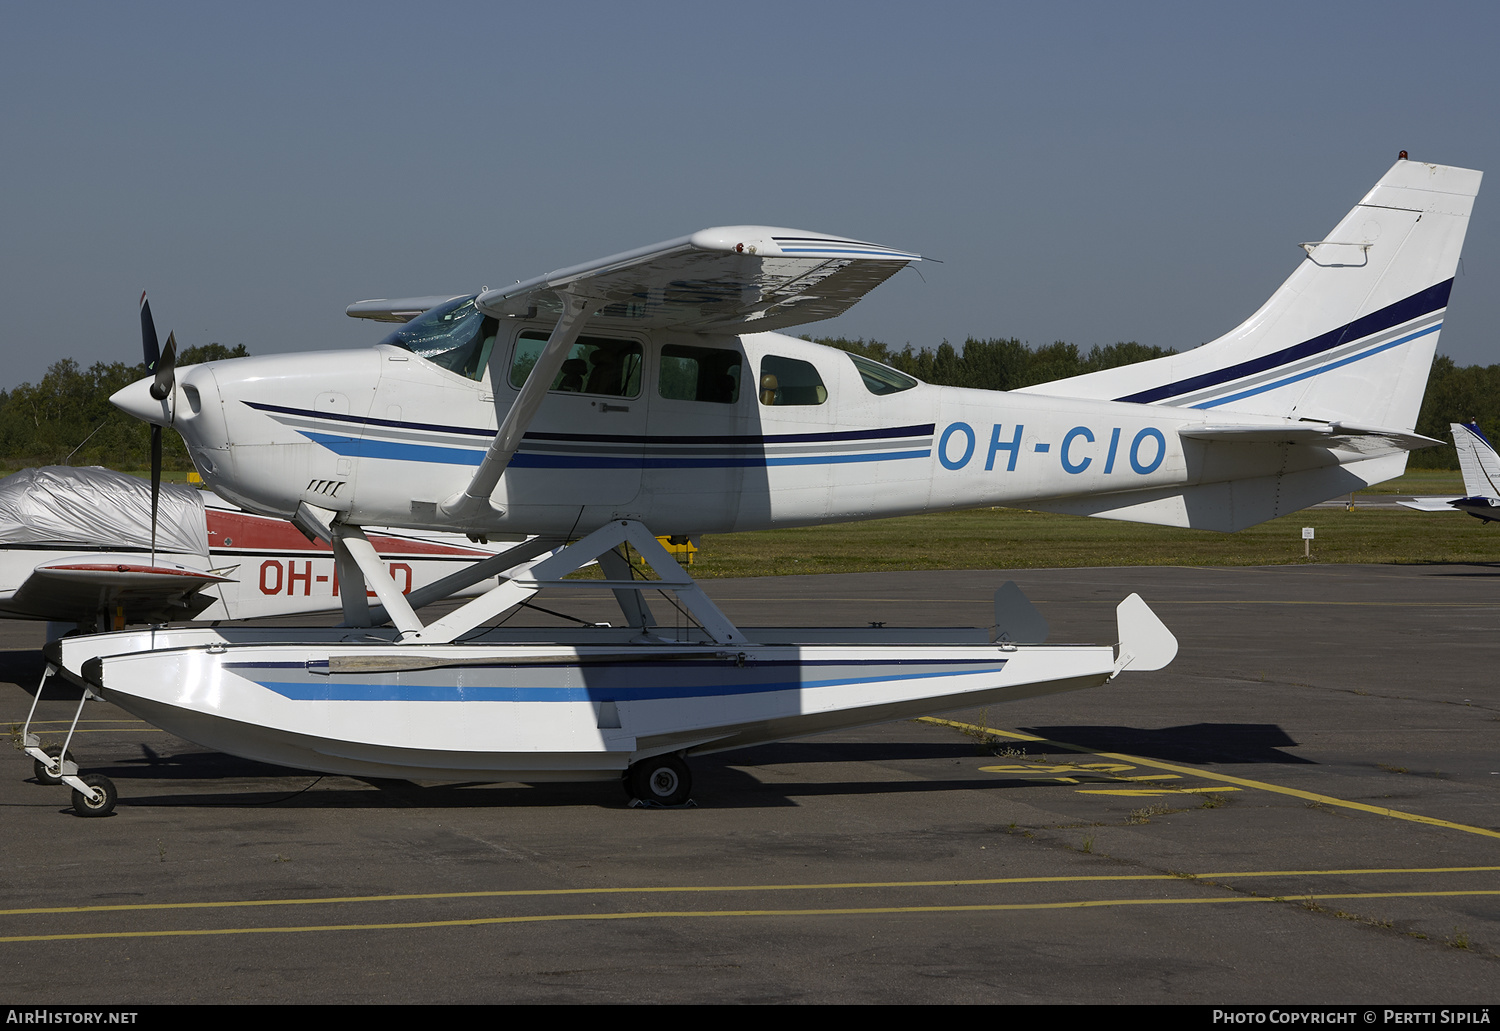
(731, 278)
(1339, 436)
(1429, 504)
(1230, 505)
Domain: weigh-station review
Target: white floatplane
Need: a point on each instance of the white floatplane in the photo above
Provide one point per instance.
(650, 390)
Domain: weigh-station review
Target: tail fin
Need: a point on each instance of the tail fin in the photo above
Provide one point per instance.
(1348, 338)
(1477, 459)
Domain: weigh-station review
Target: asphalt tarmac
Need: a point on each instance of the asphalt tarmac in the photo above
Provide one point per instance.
(1301, 808)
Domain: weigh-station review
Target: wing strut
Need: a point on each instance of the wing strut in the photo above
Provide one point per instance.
(475, 498)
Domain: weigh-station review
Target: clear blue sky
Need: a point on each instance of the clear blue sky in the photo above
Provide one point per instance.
(1089, 172)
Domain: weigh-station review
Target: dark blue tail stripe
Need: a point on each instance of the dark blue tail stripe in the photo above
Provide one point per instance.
(1434, 298)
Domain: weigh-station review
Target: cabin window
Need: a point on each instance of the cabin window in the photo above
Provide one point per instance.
(595, 365)
(881, 379)
(787, 381)
(699, 374)
(457, 336)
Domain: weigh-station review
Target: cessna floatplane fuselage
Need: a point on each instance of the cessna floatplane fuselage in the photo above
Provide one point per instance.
(650, 393)
(686, 433)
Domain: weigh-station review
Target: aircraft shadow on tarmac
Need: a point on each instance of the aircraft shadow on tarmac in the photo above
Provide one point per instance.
(723, 781)
(1202, 744)
(24, 667)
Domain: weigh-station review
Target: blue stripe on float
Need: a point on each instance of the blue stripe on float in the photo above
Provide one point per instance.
(340, 691)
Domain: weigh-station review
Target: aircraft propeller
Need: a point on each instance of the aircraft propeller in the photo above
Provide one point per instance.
(164, 366)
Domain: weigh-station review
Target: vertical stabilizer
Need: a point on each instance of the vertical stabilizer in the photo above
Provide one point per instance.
(1349, 337)
(1477, 459)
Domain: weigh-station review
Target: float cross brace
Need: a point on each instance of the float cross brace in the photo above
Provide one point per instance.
(523, 574)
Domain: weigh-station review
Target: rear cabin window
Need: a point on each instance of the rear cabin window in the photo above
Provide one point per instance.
(788, 381)
(699, 374)
(595, 365)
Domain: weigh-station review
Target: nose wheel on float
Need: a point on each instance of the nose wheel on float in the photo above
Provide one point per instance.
(93, 793)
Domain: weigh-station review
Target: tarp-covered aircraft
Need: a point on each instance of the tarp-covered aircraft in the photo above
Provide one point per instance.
(76, 548)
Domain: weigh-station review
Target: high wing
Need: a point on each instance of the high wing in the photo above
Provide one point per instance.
(730, 278)
(727, 279)
(79, 588)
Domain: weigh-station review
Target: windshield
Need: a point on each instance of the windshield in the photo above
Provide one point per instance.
(457, 336)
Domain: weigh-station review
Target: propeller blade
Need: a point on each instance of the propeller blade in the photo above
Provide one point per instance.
(166, 370)
(150, 343)
(155, 482)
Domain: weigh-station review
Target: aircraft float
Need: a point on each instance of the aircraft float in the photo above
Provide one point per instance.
(649, 393)
(89, 549)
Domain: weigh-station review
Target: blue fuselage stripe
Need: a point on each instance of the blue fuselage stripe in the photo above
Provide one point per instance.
(399, 451)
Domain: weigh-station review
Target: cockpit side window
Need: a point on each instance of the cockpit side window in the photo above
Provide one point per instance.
(788, 381)
(699, 374)
(456, 336)
(881, 379)
(595, 365)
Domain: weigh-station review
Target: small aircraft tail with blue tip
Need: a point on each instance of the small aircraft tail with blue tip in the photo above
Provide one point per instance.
(1481, 468)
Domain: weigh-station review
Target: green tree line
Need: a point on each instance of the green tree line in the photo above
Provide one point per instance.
(66, 418)
(995, 363)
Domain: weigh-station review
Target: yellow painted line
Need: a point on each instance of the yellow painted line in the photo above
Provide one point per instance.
(698, 914)
(1059, 768)
(1273, 601)
(103, 730)
(1351, 871)
(537, 892)
(699, 889)
(1222, 778)
(1153, 792)
(40, 723)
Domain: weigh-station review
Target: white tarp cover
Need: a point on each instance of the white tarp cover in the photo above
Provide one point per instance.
(98, 508)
